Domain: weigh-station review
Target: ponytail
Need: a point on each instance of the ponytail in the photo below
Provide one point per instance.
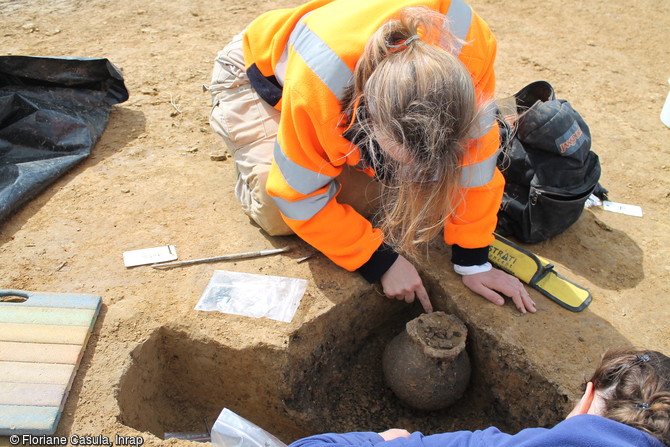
(420, 21)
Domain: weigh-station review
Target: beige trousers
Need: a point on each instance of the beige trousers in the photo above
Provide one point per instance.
(248, 126)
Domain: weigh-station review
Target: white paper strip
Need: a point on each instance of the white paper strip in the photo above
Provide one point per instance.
(149, 255)
(622, 208)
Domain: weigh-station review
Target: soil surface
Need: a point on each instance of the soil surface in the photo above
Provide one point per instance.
(158, 176)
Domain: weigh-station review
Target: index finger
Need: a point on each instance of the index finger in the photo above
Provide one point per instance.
(422, 295)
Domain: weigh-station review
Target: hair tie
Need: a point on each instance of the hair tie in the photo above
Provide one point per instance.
(643, 406)
(644, 358)
(404, 43)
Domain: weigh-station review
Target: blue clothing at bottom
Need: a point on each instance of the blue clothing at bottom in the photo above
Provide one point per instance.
(577, 431)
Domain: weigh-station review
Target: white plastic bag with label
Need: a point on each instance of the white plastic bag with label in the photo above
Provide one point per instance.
(232, 430)
(251, 295)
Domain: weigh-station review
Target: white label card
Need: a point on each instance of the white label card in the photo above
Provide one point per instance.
(149, 255)
(622, 208)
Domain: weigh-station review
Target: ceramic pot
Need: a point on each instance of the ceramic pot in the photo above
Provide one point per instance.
(427, 365)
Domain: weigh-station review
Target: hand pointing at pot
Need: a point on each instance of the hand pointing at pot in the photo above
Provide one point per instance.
(402, 282)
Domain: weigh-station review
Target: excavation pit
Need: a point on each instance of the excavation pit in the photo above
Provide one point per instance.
(327, 377)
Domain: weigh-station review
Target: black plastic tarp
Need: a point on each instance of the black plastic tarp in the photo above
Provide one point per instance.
(52, 112)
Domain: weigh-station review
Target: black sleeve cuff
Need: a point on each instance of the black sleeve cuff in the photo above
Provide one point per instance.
(267, 87)
(380, 261)
(469, 256)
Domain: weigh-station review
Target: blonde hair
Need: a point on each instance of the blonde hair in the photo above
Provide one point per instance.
(636, 388)
(417, 95)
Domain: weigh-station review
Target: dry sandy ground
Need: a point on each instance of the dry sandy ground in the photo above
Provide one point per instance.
(151, 181)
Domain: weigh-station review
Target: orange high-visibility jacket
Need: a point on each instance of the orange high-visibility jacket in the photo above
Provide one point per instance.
(301, 60)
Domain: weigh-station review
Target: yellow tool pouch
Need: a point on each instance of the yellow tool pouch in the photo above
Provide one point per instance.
(538, 273)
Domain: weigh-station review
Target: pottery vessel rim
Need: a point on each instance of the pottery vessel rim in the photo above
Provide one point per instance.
(414, 326)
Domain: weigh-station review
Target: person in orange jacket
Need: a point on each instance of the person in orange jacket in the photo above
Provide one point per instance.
(367, 129)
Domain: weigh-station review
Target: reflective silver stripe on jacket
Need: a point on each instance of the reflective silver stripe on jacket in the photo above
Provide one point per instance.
(319, 57)
(485, 122)
(479, 174)
(458, 20)
(336, 75)
(303, 180)
(305, 209)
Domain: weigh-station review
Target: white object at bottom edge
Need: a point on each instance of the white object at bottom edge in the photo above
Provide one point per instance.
(665, 112)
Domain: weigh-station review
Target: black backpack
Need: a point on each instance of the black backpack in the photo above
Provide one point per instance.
(547, 162)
